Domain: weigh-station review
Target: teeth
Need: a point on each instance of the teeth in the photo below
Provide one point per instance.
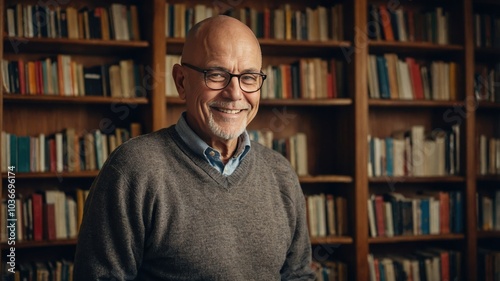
(229, 111)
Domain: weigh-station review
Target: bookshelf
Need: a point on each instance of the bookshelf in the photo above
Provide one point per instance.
(337, 129)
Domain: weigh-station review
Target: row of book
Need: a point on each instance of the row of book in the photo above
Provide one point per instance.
(326, 215)
(47, 215)
(415, 153)
(391, 77)
(311, 78)
(489, 156)
(284, 23)
(488, 264)
(294, 147)
(116, 22)
(394, 214)
(487, 30)
(487, 83)
(394, 23)
(488, 211)
(330, 271)
(40, 271)
(430, 264)
(65, 151)
(64, 76)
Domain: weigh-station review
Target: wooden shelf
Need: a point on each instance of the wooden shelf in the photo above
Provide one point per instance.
(8, 98)
(415, 238)
(37, 244)
(277, 47)
(413, 103)
(489, 178)
(71, 46)
(481, 234)
(489, 105)
(416, 179)
(331, 240)
(83, 174)
(326, 179)
(412, 47)
(285, 102)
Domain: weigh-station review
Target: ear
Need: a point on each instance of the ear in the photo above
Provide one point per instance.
(178, 76)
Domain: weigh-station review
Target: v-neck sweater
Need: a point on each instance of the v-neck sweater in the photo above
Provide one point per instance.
(159, 211)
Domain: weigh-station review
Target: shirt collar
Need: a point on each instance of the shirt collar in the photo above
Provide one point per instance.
(200, 147)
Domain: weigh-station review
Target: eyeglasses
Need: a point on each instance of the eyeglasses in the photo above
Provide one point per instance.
(217, 79)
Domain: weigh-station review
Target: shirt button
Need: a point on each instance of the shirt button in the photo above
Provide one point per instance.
(212, 153)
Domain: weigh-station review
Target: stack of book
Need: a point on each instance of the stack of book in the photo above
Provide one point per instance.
(429, 264)
(415, 153)
(488, 264)
(117, 22)
(393, 23)
(391, 77)
(394, 214)
(489, 156)
(42, 270)
(326, 215)
(330, 271)
(487, 30)
(294, 148)
(487, 83)
(488, 211)
(63, 76)
(311, 78)
(47, 215)
(284, 23)
(66, 151)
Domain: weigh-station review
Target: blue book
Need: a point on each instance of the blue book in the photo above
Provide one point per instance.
(383, 78)
(381, 270)
(23, 154)
(425, 215)
(459, 211)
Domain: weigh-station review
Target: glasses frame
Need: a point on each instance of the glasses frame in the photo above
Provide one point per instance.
(231, 75)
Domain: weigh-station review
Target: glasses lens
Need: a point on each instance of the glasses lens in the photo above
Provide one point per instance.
(216, 79)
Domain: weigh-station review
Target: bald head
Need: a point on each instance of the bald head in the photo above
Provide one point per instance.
(208, 36)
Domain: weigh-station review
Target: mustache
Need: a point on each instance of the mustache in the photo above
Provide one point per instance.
(230, 105)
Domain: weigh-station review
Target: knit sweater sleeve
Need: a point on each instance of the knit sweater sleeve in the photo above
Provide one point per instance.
(112, 234)
(297, 265)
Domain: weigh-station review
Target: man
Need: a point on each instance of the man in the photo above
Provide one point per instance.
(198, 200)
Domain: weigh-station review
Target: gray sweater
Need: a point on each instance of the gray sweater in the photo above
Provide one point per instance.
(158, 211)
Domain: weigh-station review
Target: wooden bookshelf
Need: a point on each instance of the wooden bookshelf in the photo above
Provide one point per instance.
(337, 129)
(415, 238)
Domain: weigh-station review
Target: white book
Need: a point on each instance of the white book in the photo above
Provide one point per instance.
(279, 24)
(20, 221)
(497, 210)
(434, 220)
(71, 219)
(401, 25)
(59, 152)
(371, 267)
(302, 169)
(398, 156)
(11, 22)
(199, 13)
(323, 23)
(320, 205)
(313, 224)
(417, 149)
(389, 225)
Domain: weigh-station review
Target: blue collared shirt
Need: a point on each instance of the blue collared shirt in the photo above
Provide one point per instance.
(210, 154)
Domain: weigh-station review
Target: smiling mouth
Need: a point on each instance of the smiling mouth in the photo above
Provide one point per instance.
(229, 111)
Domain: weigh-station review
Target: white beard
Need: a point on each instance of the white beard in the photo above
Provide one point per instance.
(225, 134)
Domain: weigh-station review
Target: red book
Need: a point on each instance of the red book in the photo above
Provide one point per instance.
(385, 20)
(37, 205)
(444, 212)
(380, 215)
(22, 78)
(49, 217)
(53, 157)
(267, 23)
(329, 86)
(445, 265)
(39, 78)
(416, 79)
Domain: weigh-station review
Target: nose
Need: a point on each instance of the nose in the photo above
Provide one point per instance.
(233, 90)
